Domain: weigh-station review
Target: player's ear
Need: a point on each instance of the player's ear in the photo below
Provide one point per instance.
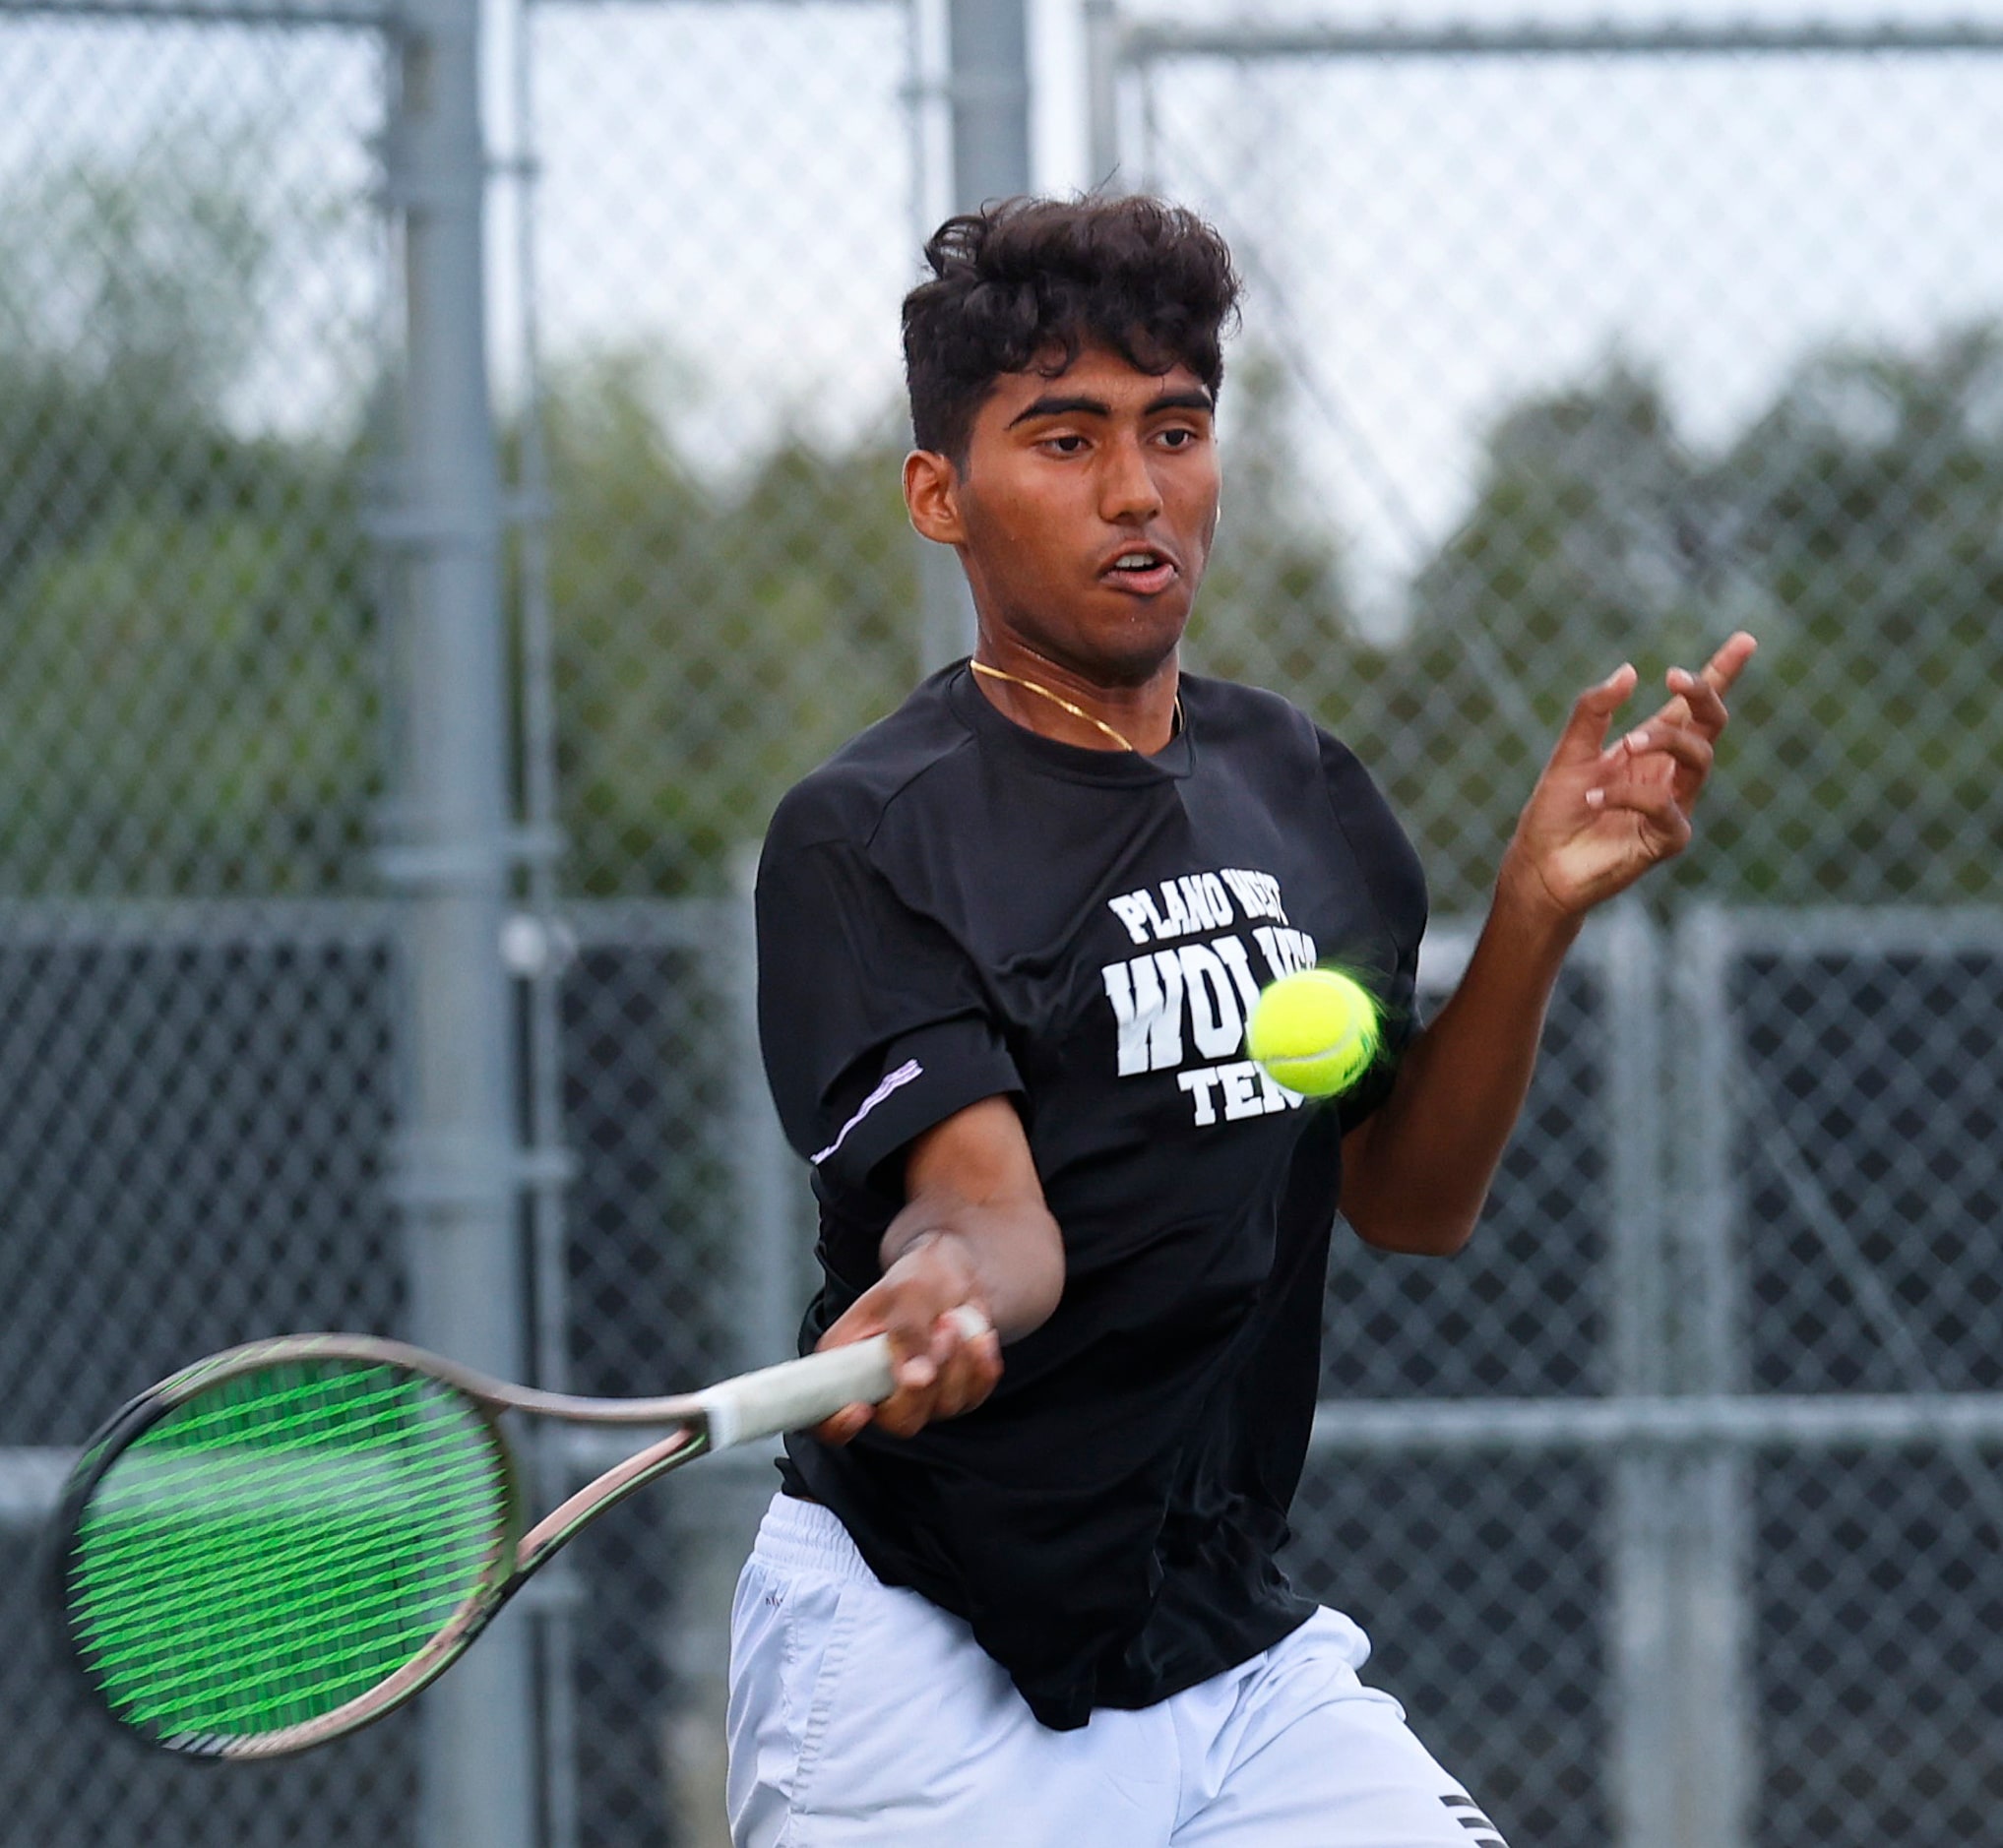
(932, 496)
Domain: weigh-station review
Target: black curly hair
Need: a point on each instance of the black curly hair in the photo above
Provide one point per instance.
(1032, 283)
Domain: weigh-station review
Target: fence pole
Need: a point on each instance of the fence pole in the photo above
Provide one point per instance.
(1103, 54)
(987, 88)
(1641, 1638)
(447, 859)
(988, 44)
(1710, 1490)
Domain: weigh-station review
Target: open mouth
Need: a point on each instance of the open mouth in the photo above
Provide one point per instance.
(1142, 570)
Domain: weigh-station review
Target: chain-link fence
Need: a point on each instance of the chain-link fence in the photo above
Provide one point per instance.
(1559, 348)
(1566, 346)
(722, 228)
(215, 517)
(1569, 345)
(194, 1011)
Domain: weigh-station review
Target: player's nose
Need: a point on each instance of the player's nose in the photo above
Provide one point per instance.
(1127, 486)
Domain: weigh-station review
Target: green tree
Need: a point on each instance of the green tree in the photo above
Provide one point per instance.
(188, 707)
(1853, 525)
(1587, 543)
(127, 302)
(190, 688)
(1275, 609)
(716, 638)
(1869, 499)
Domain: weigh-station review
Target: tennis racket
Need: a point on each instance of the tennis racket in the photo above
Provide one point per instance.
(289, 1540)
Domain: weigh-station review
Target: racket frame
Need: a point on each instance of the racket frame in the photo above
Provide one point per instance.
(734, 1411)
(491, 1588)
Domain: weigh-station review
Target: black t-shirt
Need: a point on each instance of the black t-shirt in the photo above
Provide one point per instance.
(954, 907)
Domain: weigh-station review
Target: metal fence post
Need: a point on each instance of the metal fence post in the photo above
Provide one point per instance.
(989, 43)
(1642, 1645)
(715, 1521)
(1709, 1505)
(449, 861)
(1104, 54)
(987, 86)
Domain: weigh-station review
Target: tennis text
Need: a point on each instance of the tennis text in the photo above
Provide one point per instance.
(1192, 1001)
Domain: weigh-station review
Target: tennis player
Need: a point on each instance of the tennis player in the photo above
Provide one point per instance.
(1007, 941)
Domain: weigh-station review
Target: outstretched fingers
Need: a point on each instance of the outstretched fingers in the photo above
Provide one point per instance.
(1665, 747)
(1724, 667)
(1699, 699)
(1685, 732)
(1592, 713)
(1603, 814)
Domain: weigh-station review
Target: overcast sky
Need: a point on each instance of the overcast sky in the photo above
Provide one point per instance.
(1427, 240)
(737, 188)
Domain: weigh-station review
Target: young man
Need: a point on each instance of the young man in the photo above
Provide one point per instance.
(1007, 939)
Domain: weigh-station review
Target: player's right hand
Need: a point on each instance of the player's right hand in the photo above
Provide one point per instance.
(948, 1354)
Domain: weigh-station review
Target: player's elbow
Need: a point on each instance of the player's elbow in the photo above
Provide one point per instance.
(1396, 1201)
(1415, 1231)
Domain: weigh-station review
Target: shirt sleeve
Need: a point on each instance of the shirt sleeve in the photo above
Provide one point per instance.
(872, 1018)
(1398, 890)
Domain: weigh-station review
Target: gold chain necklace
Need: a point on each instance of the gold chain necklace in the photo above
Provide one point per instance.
(1076, 711)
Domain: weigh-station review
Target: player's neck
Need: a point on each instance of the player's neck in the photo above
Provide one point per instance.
(1055, 702)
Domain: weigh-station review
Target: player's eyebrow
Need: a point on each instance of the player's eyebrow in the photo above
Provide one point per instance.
(1181, 401)
(1057, 404)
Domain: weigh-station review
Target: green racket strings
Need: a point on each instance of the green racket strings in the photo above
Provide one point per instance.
(280, 1544)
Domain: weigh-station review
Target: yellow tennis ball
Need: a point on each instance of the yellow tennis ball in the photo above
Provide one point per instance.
(1315, 1031)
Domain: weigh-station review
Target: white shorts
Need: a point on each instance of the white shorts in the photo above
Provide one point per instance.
(863, 1716)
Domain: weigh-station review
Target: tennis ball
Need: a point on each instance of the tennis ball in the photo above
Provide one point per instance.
(1315, 1031)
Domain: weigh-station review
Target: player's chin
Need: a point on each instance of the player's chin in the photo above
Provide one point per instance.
(1140, 631)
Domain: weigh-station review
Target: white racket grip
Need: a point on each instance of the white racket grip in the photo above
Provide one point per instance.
(801, 1393)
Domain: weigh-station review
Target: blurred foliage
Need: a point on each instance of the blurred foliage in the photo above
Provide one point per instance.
(1855, 526)
(123, 316)
(716, 636)
(188, 707)
(1872, 501)
(189, 696)
(1273, 608)
(148, 285)
(190, 701)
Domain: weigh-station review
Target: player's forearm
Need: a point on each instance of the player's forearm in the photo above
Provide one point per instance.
(1415, 1175)
(975, 1227)
(975, 1234)
(945, 1254)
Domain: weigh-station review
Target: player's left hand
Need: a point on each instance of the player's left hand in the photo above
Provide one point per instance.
(1603, 815)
